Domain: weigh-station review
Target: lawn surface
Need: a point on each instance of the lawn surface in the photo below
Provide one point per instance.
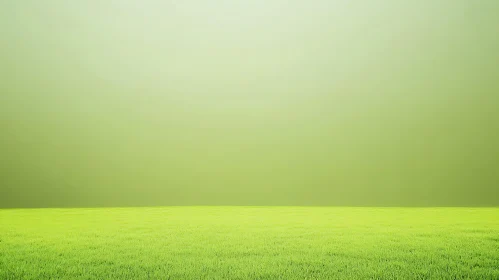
(250, 243)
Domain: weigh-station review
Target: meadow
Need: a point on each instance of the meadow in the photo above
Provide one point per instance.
(225, 242)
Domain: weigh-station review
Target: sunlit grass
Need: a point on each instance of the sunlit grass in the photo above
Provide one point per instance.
(250, 243)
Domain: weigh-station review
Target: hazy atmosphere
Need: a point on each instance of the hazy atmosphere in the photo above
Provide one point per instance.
(351, 103)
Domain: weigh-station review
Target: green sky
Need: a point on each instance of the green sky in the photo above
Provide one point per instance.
(264, 102)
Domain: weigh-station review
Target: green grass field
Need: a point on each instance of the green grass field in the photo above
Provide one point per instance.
(250, 243)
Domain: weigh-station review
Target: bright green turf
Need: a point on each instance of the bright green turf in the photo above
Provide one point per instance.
(250, 243)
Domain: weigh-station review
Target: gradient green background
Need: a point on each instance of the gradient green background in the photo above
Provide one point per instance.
(121, 103)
